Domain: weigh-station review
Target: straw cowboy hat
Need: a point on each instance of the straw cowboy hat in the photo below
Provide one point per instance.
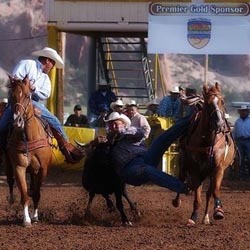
(51, 54)
(116, 103)
(116, 116)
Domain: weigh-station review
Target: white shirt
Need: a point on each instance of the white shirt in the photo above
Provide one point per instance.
(33, 69)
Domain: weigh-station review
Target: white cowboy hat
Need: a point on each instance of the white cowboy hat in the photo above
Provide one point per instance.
(51, 54)
(116, 116)
(243, 107)
(5, 100)
(132, 103)
(116, 103)
(175, 90)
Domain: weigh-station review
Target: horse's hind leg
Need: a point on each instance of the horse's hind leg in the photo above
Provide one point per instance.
(132, 204)
(10, 180)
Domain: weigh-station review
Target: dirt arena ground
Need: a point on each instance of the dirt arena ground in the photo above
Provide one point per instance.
(161, 226)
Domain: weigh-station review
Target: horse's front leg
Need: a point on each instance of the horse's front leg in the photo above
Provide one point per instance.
(196, 206)
(35, 188)
(10, 180)
(20, 173)
(218, 211)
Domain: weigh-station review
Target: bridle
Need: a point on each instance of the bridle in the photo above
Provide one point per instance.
(217, 115)
(20, 110)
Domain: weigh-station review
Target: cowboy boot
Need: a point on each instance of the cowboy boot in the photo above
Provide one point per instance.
(71, 153)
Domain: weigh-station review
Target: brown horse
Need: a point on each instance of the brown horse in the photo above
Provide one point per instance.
(206, 151)
(28, 149)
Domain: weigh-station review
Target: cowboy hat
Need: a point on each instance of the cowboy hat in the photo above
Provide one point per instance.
(175, 90)
(116, 103)
(243, 107)
(116, 116)
(153, 102)
(5, 100)
(132, 103)
(51, 54)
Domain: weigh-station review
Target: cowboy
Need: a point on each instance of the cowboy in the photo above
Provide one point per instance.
(241, 133)
(40, 84)
(117, 106)
(133, 162)
(100, 100)
(77, 119)
(138, 120)
(170, 105)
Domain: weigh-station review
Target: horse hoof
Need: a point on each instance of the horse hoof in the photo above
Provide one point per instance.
(176, 203)
(35, 220)
(219, 214)
(191, 223)
(11, 199)
(27, 224)
(128, 224)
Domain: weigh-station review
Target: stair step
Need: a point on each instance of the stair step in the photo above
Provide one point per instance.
(129, 88)
(120, 60)
(132, 96)
(127, 78)
(125, 69)
(123, 51)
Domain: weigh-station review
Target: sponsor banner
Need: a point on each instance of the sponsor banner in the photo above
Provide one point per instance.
(199, 28)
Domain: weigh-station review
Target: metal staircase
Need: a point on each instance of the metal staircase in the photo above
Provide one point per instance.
(123, 62)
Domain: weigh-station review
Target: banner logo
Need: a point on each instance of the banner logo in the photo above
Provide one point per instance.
(199, 32)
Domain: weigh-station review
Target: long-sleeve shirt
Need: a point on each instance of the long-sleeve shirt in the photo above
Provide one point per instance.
(100, 101)
(169, 107)
(140, 121)
(242, 128)
(33, 70)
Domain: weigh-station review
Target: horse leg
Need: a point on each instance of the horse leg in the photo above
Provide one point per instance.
(132, 204)
(10, 180)
(206, 219)
(196, 206)
(119, 205)
(20, 173)
(218, 211)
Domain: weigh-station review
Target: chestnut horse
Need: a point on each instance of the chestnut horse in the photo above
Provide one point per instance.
(28, 148)
(206, 151)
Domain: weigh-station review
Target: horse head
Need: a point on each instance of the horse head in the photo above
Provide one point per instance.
(20, 98)
(214, 106)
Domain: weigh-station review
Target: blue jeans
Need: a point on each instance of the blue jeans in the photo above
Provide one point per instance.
(144, 168)
(244, 149)
(7, 119)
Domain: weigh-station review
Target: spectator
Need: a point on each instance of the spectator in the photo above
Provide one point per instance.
(77, 119)
(241, 133)
(98, 99)
(138, 120)
(170, 105)
(152, 108)
(117, 106)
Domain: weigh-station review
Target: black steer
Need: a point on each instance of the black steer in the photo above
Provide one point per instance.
(99, 177)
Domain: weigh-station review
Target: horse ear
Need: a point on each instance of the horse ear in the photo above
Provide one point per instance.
(217, 86)
(205, 88)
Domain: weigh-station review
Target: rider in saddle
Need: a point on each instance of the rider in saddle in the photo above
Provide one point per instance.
(37, 72)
